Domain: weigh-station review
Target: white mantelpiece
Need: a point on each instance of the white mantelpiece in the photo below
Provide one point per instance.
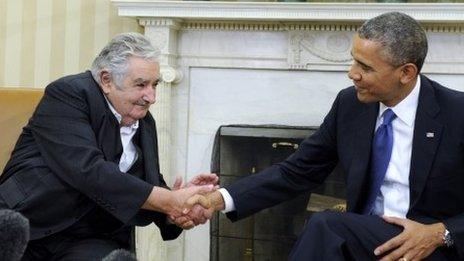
(259, 63)
(272, 11)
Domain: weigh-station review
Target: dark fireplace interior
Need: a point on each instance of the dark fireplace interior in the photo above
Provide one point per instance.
(241, 150)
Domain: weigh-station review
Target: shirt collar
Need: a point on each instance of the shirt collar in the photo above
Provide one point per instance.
(118, 116)
(406, 109)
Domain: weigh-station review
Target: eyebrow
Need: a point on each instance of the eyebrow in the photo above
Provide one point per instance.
(358, 61)
(363, 64)
(145, 81)
(140, 80)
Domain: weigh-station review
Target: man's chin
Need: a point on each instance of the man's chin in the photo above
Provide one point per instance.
(363, 98)
(140, 115)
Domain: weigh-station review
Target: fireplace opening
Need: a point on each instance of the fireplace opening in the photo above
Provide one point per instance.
(241, 150)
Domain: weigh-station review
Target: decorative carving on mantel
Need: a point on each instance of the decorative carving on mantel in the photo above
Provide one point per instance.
(281, 11)
(266, 26)
(159, 39)
(308, 26)
(172, 23)
(316, 47)
(272, 16)
(163, 34)
(170, 74)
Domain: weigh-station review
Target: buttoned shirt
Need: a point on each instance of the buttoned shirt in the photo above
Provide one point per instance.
(129, 153)
(393, 199)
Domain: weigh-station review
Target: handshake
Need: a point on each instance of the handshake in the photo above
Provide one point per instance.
(187, 205)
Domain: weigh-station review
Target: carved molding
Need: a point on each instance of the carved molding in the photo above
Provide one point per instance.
(316, 47)
(165, 22)
(279, 16)
(170, 74)
(280, 11)
(266, 26)
(307, 26)
(163, 34)
(283, 26)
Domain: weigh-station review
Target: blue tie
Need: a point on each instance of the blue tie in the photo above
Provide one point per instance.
(381, 153)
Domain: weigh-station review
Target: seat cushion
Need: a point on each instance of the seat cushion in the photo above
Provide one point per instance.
(16, 106)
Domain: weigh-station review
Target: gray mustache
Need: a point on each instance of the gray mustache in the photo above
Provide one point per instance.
(142, 103)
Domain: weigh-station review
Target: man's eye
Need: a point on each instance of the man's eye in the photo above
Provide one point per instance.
(141, 85)
(365, 68)
(155, 84)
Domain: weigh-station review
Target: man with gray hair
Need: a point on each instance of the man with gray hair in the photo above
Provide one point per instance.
(85, 168)
(399, 139)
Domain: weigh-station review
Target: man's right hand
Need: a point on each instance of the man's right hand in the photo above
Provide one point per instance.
(179, 202)
(199, 214)
(216, 200)
(216, 204)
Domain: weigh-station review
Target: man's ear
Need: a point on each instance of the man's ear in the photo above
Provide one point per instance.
(106, 81)
(409, 72)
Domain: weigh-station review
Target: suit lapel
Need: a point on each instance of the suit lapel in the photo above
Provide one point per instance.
(149, 148)
(109, 136)
(427, 136)
(362, 149)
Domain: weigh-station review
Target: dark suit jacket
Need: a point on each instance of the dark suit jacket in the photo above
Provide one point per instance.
(66, 162)
(437, 163)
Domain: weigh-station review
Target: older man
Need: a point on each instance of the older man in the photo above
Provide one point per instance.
(85, 168)
(399, 138)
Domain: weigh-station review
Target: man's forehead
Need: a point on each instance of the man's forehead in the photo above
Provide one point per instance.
(142, 79)
(148, 70)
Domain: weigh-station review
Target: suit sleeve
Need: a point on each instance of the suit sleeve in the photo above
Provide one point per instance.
(303, 171)
(145, 218)
(63, 133)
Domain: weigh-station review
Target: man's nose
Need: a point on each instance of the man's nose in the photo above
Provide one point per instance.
(150, 95)
(353, 75)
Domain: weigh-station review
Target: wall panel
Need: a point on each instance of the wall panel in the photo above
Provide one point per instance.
(42, 40)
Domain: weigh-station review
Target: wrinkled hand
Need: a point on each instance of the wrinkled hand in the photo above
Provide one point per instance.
(183, 200)
(178, 202)
(199, 213)
(416, 242)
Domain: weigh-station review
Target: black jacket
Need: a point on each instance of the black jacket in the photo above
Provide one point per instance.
(436, 178)
(66, 162)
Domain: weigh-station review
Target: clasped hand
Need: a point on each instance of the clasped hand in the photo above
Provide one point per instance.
(198, 207)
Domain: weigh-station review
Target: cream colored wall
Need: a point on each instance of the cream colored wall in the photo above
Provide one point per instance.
(41, 40)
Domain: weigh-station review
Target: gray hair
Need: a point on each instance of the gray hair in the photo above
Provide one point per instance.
(115, 55)
(402, 37)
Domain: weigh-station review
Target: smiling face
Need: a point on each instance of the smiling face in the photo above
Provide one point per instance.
(374, 78)
(137, 91)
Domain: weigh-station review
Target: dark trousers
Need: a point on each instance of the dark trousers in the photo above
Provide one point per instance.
(346, 236)
(91, 238)
(69, 249)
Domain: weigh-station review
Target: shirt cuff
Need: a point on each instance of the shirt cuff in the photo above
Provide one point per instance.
(228, 201)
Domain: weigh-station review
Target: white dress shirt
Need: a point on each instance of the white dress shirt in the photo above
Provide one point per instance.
(129, 153)
(394, 197)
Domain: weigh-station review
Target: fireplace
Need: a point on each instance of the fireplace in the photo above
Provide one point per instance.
(242, 150)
